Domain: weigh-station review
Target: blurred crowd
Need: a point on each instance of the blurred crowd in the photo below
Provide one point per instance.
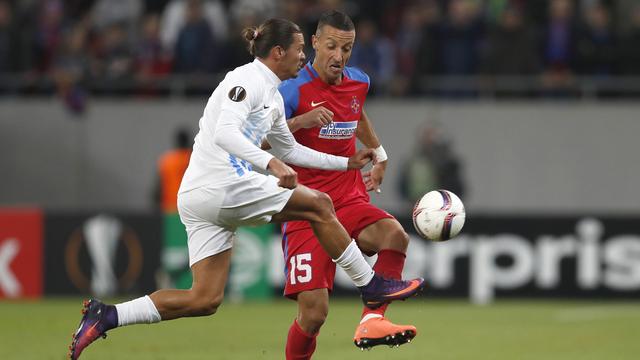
(131, 44)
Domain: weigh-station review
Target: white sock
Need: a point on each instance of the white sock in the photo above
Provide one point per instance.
(137, 311)
(353, 263)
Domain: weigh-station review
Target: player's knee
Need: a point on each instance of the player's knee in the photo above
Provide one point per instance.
(397, 239)
(323, 206)
(313, 308)
(315, 322)
(206, 306)
(210, 307)
(313, 318)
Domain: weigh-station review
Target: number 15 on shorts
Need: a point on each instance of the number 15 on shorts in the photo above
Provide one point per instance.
(300, 268)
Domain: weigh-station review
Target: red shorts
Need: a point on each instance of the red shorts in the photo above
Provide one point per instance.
(307, 265)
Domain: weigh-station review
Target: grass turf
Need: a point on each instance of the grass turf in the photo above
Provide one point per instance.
(446, 330)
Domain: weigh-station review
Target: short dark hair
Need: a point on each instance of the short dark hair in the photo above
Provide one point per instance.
(336, 19)
(273, 32)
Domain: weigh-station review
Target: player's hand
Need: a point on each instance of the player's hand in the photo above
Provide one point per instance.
(361, 158)
(373, 178)
(287, 177)
(318, 117)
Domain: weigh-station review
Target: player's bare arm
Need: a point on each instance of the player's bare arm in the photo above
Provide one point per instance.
(367, 136)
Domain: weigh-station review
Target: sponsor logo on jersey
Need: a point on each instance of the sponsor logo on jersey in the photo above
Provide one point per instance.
(237, 94)
(338, 130)
(314, 104)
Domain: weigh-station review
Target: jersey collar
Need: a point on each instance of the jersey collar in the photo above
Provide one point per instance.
(268, 74)
(314, 75)
(311, 70)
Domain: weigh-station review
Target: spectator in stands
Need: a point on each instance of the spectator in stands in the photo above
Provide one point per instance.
(459, 39)
(559, 38)
(374, 55)
(72, 68)
(427, 40)
(427, 55)
(629, 62)
(510, 47)
(174, 18)
(596, 43)
(48, 33)
(407, 41)
(152, 61)
(115, 58)
(196, 48)
(121, 13)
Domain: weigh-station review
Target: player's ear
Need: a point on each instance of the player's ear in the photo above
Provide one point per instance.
(277, 52)
(314, 42)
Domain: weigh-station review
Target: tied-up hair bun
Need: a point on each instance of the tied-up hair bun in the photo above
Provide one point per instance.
(255, 34)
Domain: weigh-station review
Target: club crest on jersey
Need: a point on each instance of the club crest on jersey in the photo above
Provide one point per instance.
(355, 105)
(237, 94)
(338, 130)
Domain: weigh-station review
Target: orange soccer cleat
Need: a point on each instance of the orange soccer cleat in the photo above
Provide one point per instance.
(380, 331)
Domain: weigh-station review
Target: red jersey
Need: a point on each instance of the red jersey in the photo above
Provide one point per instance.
(303, 94)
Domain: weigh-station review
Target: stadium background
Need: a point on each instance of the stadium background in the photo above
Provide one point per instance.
(527, 109)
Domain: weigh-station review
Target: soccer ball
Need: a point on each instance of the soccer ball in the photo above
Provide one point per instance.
(439, 215)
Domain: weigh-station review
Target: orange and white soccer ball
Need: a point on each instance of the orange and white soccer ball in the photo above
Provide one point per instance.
(439, 215)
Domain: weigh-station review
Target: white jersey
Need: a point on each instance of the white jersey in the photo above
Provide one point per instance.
(245, 108)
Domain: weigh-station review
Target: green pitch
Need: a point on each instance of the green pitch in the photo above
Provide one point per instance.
(447, 330)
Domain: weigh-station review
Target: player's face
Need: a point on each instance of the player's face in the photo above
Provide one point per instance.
(294, 57)
(333, 50)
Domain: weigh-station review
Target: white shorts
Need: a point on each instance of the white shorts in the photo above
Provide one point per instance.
(211, 215)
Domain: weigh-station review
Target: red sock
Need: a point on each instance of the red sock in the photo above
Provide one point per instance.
(300, 345)
(389, 264)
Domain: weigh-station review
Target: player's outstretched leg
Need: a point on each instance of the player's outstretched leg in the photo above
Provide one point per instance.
(380, 331)
(317, 208)
(97, 319)
(381, 290)
(204, 297)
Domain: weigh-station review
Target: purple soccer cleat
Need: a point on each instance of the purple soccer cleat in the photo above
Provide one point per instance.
(97, 318)
(381, 290)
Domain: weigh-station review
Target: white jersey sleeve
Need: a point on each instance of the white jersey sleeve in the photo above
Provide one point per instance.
(243, 98)
(286, 148)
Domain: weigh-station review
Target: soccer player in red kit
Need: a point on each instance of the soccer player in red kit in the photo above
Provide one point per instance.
(324, 108)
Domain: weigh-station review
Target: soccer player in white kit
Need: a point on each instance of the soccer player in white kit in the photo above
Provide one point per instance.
(220, 191)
